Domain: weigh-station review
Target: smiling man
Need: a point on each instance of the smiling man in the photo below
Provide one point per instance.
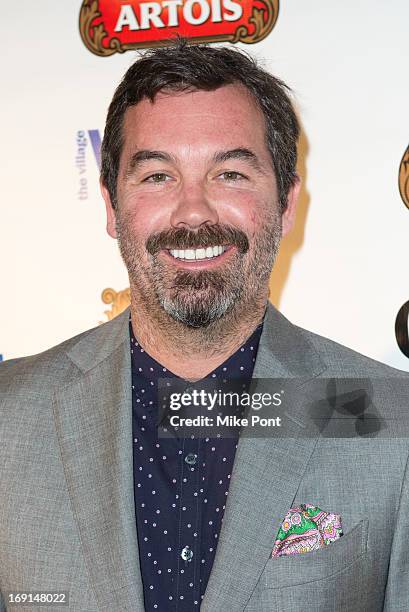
(195, 203)
(98, 510)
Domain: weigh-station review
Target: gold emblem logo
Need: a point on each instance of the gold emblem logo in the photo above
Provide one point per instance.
(120, 300)
(404, 178)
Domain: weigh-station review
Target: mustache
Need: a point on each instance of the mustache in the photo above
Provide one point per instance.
(209, 235)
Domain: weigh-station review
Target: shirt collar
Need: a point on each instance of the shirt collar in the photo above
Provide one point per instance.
(239, 364)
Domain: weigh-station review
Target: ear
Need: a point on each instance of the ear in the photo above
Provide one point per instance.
(288, 216)
(111, 226)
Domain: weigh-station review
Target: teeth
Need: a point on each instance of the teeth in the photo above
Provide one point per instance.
(200, 253)
(190, 254)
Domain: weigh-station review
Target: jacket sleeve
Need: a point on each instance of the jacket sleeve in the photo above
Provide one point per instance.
(397, 588)
(2, 604)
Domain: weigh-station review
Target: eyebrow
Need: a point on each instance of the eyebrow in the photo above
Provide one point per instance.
(241, 153)
(139, 157)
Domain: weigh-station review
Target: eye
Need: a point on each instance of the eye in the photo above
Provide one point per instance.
(230, 175)
(158, 177)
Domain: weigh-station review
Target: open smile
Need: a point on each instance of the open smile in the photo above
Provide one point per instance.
(199, 258)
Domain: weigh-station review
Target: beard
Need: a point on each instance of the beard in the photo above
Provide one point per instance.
(198, 298)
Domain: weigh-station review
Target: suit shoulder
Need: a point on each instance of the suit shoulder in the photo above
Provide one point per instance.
(344, 361)
(46, 369)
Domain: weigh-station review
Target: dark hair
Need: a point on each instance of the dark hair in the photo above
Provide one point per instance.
(183, 66)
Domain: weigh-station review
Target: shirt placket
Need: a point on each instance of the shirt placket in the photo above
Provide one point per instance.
(189, 527)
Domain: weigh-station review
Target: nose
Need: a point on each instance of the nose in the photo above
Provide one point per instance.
(193, 208)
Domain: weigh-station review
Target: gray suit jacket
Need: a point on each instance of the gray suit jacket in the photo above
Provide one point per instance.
(67, 519)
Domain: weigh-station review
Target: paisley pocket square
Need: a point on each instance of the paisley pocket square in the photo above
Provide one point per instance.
(306, 528)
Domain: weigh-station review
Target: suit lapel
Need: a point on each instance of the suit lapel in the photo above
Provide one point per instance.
(266, 475)
(93, 418)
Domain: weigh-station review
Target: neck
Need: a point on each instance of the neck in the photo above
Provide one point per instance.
(191, 353)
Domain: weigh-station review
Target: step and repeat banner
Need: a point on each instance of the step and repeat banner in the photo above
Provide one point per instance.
(342, 272)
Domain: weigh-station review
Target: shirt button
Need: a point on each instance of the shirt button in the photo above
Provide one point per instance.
(187, 553)
(191, 458)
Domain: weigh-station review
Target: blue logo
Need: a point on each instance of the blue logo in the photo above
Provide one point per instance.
(83, 137)
(95, 140)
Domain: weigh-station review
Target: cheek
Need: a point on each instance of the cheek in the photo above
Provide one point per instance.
(247, 214)
(145, 215)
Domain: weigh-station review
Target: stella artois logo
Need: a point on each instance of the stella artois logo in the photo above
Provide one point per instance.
(115, 26)
(404, 178)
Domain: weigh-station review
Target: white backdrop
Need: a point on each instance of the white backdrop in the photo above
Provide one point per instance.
(342, 273)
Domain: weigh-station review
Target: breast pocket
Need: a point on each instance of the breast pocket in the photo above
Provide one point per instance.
(329, 579)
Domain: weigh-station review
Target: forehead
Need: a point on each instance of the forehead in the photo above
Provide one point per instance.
(225, 118)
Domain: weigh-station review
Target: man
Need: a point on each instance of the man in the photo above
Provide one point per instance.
(199, 182)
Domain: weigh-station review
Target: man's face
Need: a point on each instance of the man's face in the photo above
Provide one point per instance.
(197, 219)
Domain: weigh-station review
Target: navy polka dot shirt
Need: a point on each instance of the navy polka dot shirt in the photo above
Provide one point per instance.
(180, 488)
